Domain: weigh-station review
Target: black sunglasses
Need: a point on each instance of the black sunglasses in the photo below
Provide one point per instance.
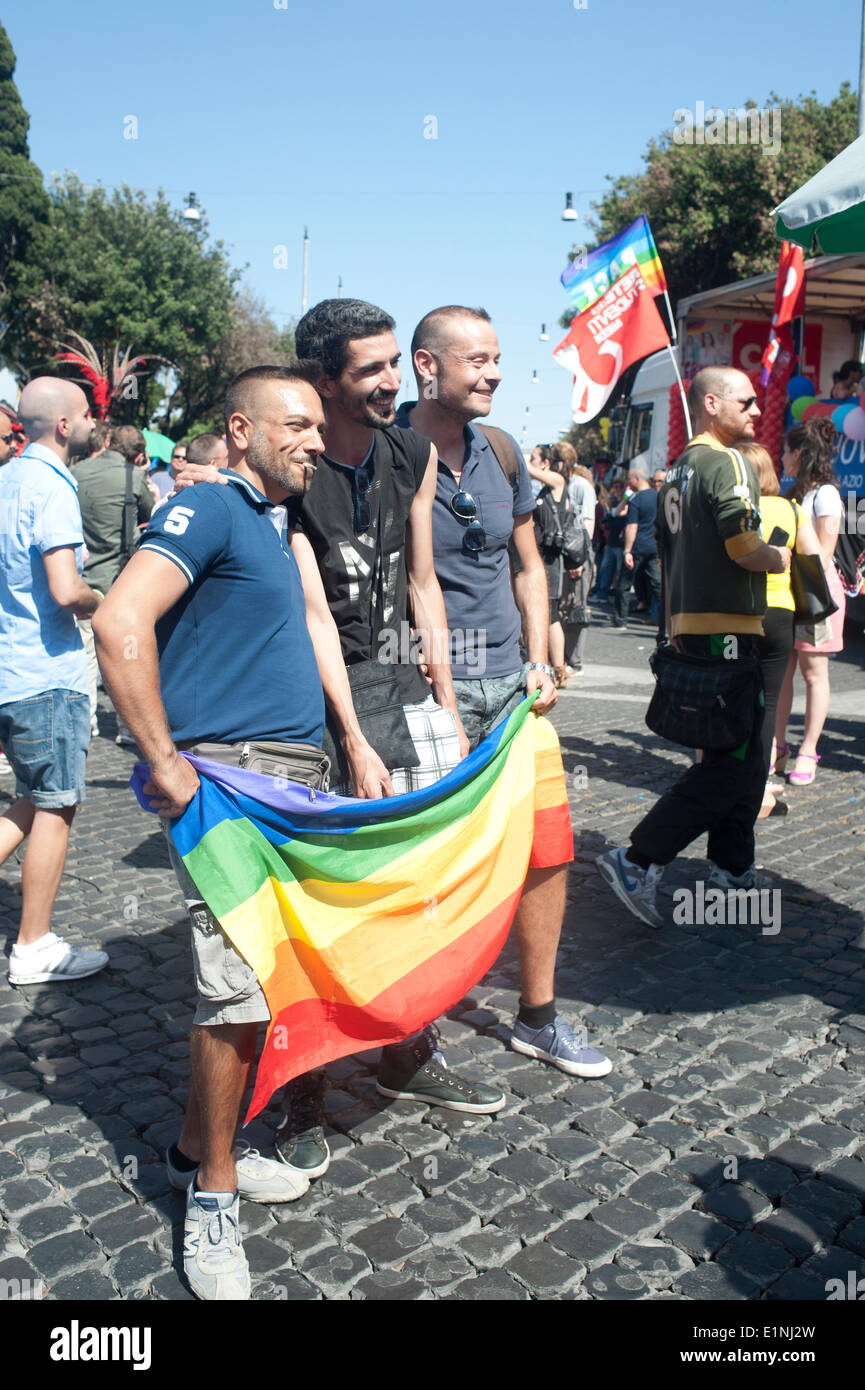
(746, 405)
(362, 509)
(464, 506)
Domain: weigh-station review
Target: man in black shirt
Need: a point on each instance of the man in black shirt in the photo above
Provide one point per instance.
(640, 551)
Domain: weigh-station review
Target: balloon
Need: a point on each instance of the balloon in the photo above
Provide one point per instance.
(800, 405)
(819, 409)
(854, 423)
(839, 415)
(800, 386)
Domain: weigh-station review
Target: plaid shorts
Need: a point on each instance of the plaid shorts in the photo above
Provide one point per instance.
(434, 734)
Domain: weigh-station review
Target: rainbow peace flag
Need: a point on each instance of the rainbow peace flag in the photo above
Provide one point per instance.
(366, 920)
(588, 277)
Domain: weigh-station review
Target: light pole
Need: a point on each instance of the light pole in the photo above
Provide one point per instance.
(305, 270)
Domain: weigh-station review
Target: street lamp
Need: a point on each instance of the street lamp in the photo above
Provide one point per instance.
(569, 212)
(544, 336)
(191, 213)
(535, 379)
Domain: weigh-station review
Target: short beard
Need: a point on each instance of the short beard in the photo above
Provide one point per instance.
(263, 459)
(375, 421)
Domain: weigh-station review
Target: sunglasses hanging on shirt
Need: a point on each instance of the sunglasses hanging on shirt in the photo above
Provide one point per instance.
(464, 506)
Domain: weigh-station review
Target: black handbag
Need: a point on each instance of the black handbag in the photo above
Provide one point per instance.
(377, 700)
(808, 585)
(703, 701)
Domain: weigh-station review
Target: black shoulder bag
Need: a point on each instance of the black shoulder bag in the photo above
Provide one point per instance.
(703, 701)
(808, 584)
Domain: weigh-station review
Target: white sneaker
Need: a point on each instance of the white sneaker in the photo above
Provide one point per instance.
(51, 958)
(633, 886)
(259, 1179)
(749, 880)
(213, 1258)
(5, 766)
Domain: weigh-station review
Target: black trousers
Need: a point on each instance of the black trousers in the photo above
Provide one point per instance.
(721, 795)
(645, 567)
(775, 649)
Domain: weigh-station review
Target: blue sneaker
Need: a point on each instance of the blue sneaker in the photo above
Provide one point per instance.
(633, 886)
(557, 1042)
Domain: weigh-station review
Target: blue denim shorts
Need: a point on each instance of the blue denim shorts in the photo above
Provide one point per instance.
(484, 702)
(46, 738)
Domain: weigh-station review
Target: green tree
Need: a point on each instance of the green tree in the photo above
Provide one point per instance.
(24, 206)
(709, 205)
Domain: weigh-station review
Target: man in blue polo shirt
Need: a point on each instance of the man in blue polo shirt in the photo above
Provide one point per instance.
(455, 352)
(44, 706)
(230, 599)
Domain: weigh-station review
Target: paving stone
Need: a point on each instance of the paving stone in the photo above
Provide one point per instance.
(764, 1260)
(64, 1254)
(640, 1154)
(834, 1204)
(528, 1169)
(854, 1235)
(736, 1204)
(628, 1219)
(531, 1220)
(393, 1194)
(490, 1247)
(389, 1241)
(605, 1177)
(124, 1227)
(673, 1135)
(444, 1220)
(391, 1286)
(645, 1106)
(836, 1262)
(88, 1286)
(658, 1263)
(73, 1173)
(801, 1231)
(439, 1269)
(706, 1170)
(44, 1222)
(298, 1235)
(797, 1286)
(846, 1174)
(799, 1155)
(662, 1194)
(586, 1242)
(612, 1282)
(22, 1194)
(496, 1286)
(333, 1270)
(715, 1281)
(434, 1171)
(95, 1201)
(772, 1179)
(604, 1123)
(571, 1149)
(545, 1269)
(698, 1234)
(485, 1193)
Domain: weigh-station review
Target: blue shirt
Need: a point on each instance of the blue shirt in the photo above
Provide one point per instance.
(642, 509)
(40, 642)
(482, 616)
(236, 660)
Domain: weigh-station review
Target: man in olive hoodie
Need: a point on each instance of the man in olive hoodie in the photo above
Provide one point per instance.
(714, 562)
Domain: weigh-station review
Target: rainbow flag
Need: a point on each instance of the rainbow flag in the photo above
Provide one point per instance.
(366, 920)
(588, 277)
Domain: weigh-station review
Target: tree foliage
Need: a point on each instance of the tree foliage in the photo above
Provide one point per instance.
(24, 206)
(709, 205)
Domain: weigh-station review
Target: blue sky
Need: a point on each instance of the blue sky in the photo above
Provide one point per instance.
(315, 114)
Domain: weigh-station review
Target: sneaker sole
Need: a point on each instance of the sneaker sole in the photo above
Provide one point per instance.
(204, 1293)
(463, 1106)
(45, 977)
(611, 878)
(572, 1068)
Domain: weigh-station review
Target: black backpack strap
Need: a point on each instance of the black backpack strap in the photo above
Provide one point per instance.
(130, 517)
(505, 454)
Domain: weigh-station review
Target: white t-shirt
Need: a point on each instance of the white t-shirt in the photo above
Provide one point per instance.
(823, 501)
(582, 496)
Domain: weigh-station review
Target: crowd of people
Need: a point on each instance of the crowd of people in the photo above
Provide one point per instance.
(255, 582)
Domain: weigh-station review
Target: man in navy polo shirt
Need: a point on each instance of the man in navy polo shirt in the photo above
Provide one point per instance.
(231, 602)
(641, 552)
(477, 510)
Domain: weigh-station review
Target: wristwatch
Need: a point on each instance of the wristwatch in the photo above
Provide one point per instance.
(542, 666)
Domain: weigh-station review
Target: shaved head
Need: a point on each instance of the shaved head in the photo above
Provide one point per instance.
(56, 413)
(435, 328)
(722, 403)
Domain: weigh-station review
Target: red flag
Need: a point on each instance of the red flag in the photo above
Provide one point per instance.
(778, 357)
(608, 337)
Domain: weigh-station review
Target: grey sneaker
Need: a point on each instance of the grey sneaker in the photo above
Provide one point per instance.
(416, 1070)
(259, 1179)
(54, 959)
(300, 1143)
(558, 1043)
(750, 879)
(213, 1258)
(633, 886)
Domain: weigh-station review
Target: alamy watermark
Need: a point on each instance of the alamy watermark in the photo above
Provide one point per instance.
(743, 125)
(400, 646)
(736, 907)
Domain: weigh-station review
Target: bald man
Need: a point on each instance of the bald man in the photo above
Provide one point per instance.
(44, 707)
(715, 563)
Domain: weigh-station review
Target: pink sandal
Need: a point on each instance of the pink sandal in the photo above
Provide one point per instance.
(779, 759)
(804, 779)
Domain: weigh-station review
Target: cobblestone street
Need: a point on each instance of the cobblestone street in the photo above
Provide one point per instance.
(723, 1158)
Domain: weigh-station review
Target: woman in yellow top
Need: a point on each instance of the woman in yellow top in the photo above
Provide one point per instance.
(776, 645)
